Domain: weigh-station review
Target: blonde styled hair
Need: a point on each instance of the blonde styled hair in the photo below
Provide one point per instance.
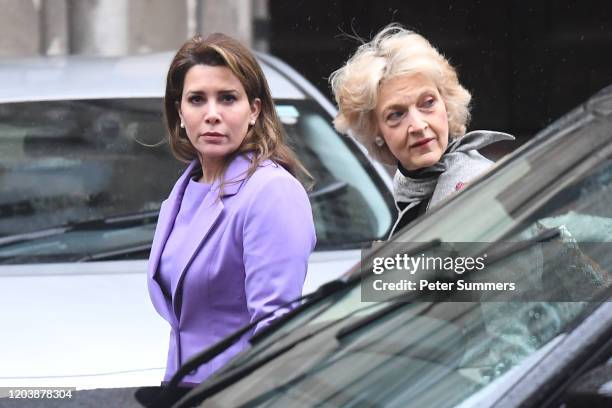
(393, 52)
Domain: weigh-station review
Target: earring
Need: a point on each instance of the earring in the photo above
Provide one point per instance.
(252, 122)
(182, 125)
(379, 141)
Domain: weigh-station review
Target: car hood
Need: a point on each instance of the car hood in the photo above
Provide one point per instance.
(83, 325)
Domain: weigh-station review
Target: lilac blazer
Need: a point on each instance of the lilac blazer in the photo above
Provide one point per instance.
(248, 255)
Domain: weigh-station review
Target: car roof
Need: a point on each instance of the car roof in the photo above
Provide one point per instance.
(94, 77)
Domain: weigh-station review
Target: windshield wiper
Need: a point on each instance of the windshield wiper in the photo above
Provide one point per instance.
(516, 247)
(138, 218)
(168, 394)
(359, 324)
(322, 292)
(397, 302)
(231, 376)
(116, 253)
(101, 223)
(335, 188)
(31, 236)
(228, 378)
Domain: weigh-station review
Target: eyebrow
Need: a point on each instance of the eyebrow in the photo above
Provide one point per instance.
(222, 91)
(400, 101)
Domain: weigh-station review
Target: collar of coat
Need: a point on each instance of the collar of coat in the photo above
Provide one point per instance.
(234, 177)
(412, 187)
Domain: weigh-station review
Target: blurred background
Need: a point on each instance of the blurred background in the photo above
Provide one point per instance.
(526, 63)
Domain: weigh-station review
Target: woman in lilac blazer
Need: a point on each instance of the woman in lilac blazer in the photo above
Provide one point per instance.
(234, 236)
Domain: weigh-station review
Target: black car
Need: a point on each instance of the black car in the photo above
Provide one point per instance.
(549, 204)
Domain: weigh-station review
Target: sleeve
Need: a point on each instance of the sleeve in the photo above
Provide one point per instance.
(278, 238)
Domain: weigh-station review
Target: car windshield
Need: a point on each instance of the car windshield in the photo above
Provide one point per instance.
(75, 161)
(345, 351)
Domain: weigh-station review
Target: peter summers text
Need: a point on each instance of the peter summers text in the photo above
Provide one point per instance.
(460, 285)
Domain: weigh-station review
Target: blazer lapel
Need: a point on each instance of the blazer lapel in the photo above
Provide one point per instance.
(205, 219)
(167, 213)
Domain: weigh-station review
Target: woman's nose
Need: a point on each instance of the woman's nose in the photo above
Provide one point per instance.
(211, 114)
(416, 122)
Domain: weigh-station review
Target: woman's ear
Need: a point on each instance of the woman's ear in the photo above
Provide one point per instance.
(255, 109)
(178, 110)
(182, 121)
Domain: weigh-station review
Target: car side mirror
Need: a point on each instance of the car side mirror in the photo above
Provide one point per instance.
(592, 389)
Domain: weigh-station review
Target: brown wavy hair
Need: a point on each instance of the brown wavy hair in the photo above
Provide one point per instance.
(265, 139)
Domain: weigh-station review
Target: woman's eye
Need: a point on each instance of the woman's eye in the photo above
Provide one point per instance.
(196, 99)
(394, 116)
(228, 98)
(429, 102)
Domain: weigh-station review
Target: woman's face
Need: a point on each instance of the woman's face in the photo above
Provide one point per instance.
(215, 111)
(411, 116)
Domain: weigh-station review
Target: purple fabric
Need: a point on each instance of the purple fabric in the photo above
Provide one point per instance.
(248, 254)
(193, 198)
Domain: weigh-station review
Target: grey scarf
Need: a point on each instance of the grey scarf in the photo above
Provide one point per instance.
(413, 187)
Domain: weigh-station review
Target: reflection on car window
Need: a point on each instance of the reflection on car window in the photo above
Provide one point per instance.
(68, 161)
(64, 162)
(351, 208)
(440, 354)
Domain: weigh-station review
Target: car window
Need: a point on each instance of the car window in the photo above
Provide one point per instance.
(70, 161)
(348, 203)
(442, 353)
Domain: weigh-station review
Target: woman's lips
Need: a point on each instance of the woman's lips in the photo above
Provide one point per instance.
(422, 142)
(213, 137)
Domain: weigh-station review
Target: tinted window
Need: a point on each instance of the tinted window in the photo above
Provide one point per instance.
(453, 352)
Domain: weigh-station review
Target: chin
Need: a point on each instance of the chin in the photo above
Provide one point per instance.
(426, 162)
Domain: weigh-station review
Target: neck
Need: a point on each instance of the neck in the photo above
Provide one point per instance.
(210, 170)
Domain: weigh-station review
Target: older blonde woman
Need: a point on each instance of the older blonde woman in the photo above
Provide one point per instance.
(402, 99)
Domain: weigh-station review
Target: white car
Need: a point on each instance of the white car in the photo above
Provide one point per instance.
(83, 170)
